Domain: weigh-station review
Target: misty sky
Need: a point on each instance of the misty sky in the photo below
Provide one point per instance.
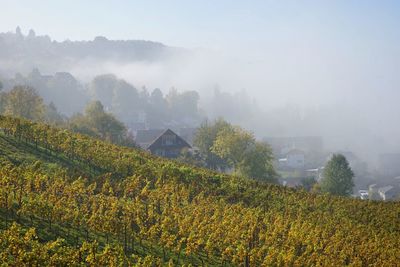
(295, 49)
(308, 53)
(312, 52)
(213, 24)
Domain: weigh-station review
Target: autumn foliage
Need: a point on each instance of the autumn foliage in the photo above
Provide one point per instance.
(202, 217)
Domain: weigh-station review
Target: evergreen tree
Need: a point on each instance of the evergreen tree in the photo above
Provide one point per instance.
(338, 177)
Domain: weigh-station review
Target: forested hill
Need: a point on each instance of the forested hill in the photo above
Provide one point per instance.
(114, 205)
(27, 51)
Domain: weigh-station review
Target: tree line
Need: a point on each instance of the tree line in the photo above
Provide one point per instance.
(221, 146)
(25, 102)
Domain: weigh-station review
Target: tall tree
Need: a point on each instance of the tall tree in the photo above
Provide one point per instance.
(183, 106)
(338, 176)
(102, 88)
(157, 109)
(125, 102)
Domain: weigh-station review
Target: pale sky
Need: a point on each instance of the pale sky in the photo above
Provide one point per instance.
(294, 48)
(335, 53)
(216, 24)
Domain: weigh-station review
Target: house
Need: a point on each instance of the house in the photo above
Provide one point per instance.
(317, 173)
(295, 159)
(282, 145)
(164, 143)
(145, 137)
(388, 192)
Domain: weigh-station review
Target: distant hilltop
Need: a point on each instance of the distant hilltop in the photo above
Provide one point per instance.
(29, 51)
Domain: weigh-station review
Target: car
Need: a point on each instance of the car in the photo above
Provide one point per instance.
(363, 194)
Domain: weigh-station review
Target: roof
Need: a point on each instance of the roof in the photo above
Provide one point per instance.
(295, 151)
(169, 131)
(372, 187)
(385, 189)
(146, 137)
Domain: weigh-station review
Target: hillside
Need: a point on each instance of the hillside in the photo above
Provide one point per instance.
(39, 51)
(114, 205)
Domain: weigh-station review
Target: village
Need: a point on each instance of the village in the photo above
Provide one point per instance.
(297, 160)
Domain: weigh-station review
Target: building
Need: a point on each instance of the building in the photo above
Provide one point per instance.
(317, 173)
(295, 159)
(388, 192)
(164, 143)
(145, 137)
(282, 145)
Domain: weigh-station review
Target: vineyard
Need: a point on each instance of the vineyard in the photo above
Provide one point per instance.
(70, 199)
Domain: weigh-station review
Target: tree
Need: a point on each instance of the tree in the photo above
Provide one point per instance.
(191, 157)
(232, 144)
(106, 124)
(125, 102)
(157, 109)
(338, 176)
(102, 88)
(250, 158)
(183, 105)
(308, 183)
(52, 114)
(97, 122)
(204, 140)
(257, 163)
(2, 98)
(23, 101)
